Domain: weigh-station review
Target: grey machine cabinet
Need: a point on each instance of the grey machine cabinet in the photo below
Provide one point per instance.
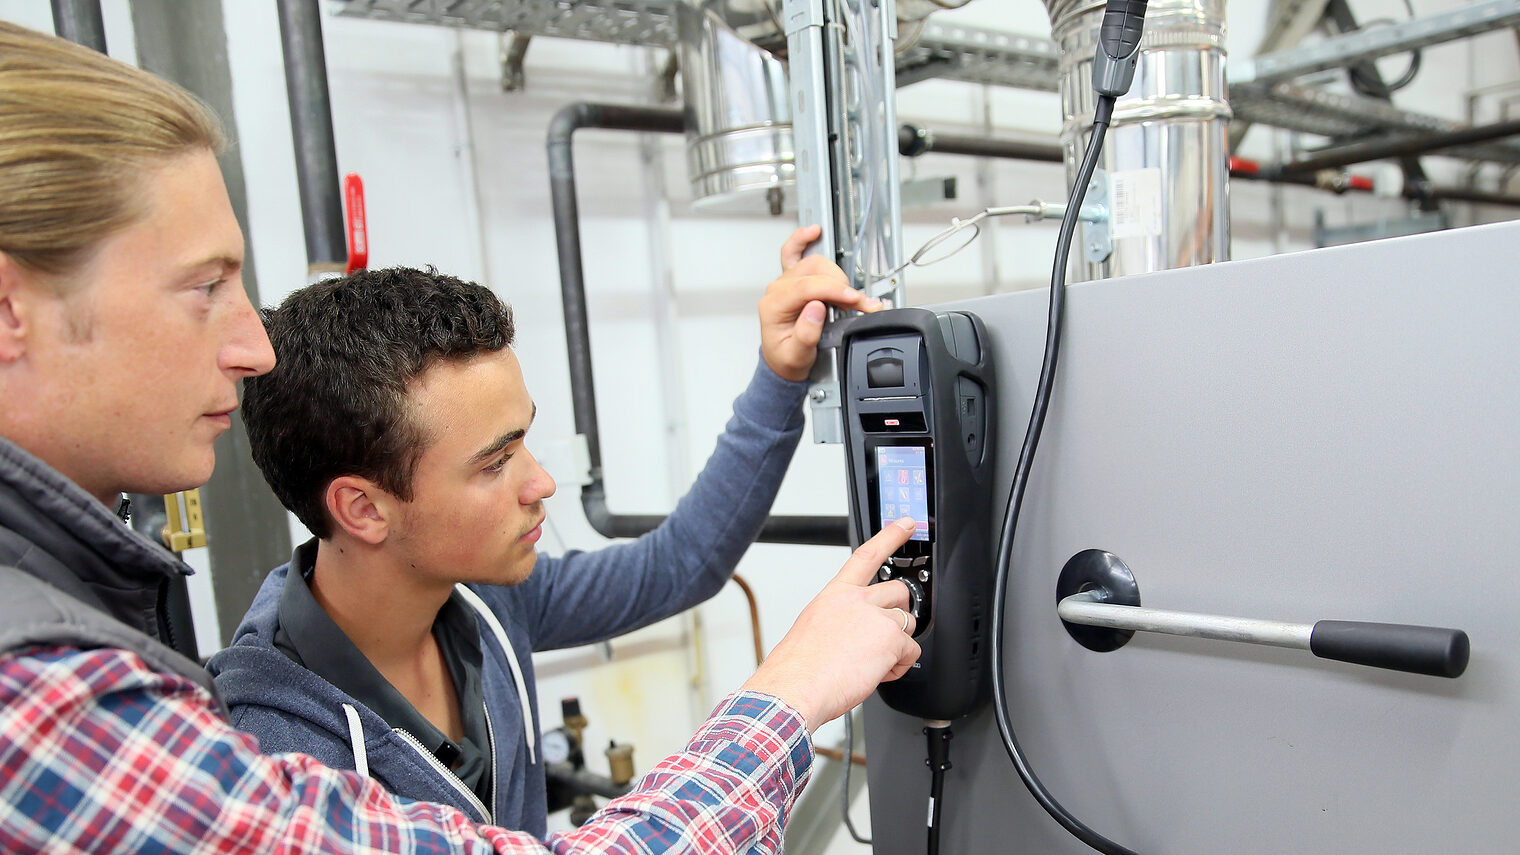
(1329, 434)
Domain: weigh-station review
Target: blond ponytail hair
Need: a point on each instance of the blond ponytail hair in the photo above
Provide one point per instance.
(78, 130)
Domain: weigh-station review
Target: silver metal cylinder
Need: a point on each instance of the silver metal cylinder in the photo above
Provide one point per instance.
(1166, 156)
(739, 149)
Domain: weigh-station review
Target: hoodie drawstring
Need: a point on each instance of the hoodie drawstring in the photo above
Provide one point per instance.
(480, 606)
(356, 736)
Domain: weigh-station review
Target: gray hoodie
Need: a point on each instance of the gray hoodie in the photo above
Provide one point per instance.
(579, 598)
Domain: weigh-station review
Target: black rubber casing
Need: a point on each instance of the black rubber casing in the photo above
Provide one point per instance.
(948, 382)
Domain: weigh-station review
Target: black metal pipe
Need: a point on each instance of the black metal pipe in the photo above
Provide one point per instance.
(1342, 182)
(79, 21)
(1458, 194)
(567, 236)
(585, 781)
(1380, 149)
(913, 141)
(311, 126)
(1272, 176)
(1366, 78)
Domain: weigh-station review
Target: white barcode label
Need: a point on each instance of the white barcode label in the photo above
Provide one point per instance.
(1135, 203)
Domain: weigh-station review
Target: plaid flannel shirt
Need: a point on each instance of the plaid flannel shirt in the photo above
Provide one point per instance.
(99, 753)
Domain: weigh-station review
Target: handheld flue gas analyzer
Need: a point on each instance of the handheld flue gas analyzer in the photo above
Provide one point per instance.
(918, 439)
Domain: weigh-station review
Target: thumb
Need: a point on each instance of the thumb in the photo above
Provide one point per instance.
(809, 327)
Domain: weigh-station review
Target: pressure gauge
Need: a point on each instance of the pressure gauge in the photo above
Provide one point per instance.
(556, 746)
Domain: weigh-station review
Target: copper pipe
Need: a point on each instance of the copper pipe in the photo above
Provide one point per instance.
(835, 754)
(754, 617)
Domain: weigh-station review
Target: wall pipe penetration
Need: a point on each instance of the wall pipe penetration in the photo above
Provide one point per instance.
(827, 531)
(312, 128)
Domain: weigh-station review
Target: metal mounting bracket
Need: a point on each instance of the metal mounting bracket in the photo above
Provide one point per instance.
(1097, 240)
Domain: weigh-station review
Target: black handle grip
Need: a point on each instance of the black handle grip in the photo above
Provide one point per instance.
(1122, 22)
(1417, 649)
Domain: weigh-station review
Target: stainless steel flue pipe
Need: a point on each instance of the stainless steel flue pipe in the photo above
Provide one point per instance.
(1166, 157)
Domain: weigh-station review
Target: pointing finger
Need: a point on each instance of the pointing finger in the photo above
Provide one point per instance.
(869, 556)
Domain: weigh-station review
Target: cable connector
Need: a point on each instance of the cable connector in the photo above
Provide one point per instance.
(939, 736)
(1118, 46)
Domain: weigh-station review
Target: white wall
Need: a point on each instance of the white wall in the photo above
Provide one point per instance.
(401, 114)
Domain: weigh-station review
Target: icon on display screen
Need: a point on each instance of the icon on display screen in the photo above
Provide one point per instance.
(899, 467)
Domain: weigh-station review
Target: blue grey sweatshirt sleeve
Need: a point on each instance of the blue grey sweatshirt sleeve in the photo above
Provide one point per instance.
(585, 597)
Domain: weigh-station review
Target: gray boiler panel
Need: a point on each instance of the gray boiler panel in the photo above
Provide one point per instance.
(1330, 434)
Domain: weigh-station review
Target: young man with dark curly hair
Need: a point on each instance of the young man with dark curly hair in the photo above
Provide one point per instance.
(396, 427)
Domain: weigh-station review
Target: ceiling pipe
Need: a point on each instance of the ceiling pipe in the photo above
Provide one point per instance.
(1363, 152)
(312, 128)
(914, 141)
(80, 22)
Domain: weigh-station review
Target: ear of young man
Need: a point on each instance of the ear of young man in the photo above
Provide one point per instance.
(361, 509)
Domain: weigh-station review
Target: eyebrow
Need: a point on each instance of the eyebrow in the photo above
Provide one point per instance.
(225, 262)
(501, 442)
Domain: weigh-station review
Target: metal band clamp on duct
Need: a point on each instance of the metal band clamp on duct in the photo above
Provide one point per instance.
(739, 149)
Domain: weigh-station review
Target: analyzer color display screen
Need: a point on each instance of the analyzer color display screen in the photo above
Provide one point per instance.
(902, 477)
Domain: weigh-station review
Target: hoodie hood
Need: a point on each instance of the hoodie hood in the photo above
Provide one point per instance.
(51, 529)
(291, 709)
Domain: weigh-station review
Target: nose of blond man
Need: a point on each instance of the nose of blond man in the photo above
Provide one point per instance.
(247, 351)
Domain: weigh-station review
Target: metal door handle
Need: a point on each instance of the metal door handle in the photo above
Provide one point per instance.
(1099, 602)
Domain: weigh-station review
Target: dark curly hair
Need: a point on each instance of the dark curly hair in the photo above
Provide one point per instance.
(348, 349)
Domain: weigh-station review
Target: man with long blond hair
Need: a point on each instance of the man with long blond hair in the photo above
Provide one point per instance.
(124, 331)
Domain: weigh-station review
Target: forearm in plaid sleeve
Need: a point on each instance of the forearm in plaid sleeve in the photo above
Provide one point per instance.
(98, 753)
(733, 787)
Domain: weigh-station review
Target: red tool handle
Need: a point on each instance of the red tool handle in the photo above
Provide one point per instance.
(358, 230)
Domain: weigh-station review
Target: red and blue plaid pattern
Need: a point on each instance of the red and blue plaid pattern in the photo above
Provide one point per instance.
(99, 753)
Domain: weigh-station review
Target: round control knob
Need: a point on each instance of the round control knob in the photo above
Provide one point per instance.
(915, 597)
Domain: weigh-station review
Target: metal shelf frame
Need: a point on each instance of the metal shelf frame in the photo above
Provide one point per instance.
(1374, 42)
(1260, 88)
